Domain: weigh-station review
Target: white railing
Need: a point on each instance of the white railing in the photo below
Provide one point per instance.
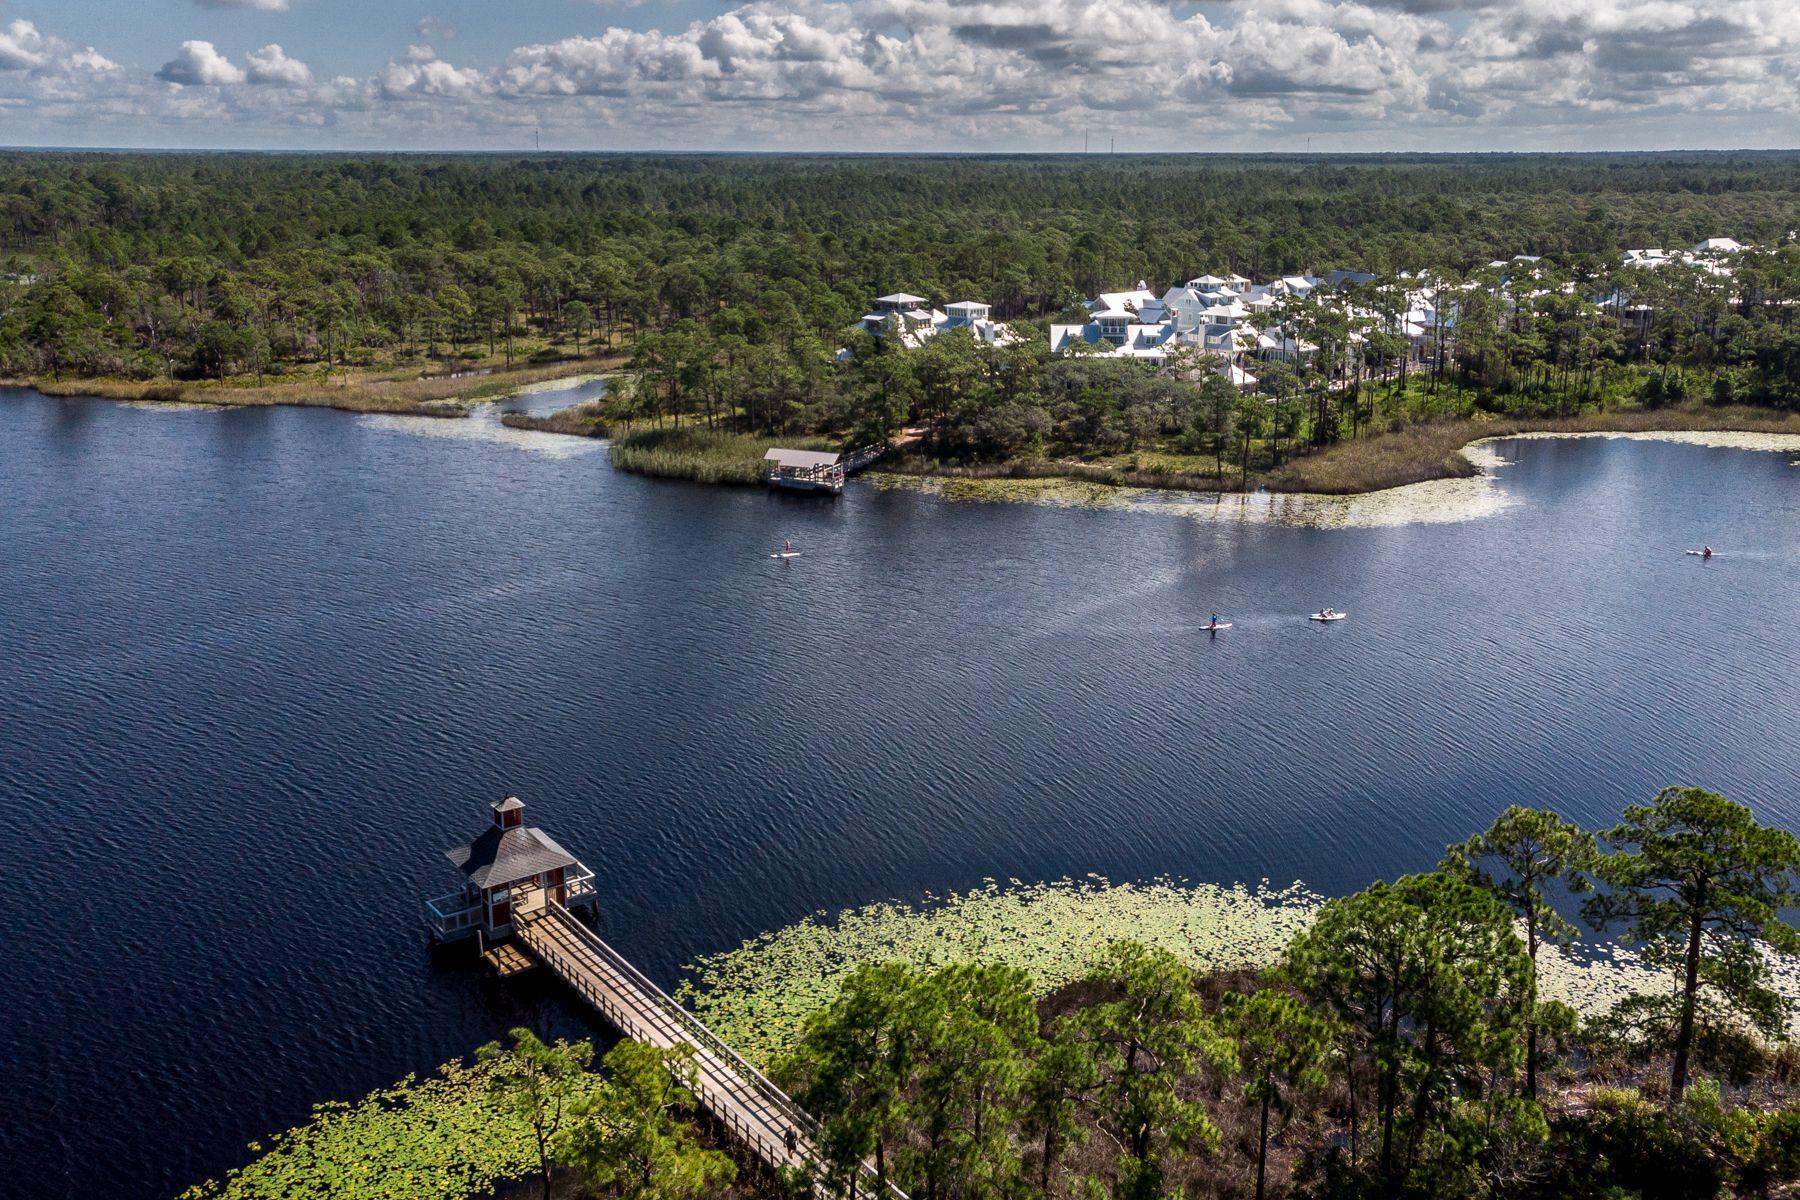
(452, 913)
(856, 460)
(737, 1081)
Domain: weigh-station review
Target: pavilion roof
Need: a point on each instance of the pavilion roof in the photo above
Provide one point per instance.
(498, 858)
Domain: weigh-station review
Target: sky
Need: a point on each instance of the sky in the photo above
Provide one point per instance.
(902, 75)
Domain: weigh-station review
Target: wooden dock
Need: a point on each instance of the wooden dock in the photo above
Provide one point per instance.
(868, 456)
(750, 1107)
(508, 960)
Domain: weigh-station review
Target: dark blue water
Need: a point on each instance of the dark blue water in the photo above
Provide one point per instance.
(259, 668)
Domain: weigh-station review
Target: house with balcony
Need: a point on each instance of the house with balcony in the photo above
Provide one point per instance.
(510, 871)
(910, 321)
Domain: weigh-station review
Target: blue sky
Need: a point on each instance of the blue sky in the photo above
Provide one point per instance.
(902, 74)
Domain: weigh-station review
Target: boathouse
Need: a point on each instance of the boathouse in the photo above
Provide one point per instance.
(804, 470)
(511, 871)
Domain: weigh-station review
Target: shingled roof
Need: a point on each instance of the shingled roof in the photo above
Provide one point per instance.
(498, 858)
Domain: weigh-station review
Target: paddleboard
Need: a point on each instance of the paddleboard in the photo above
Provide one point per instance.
(1703, 554)
(790, 554)
(1215, 628)
(1322, 617)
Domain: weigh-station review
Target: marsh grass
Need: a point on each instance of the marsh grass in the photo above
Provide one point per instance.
(587, 419)
(1415, 454)
(1435, 451)
(394, 392)
(703, 455)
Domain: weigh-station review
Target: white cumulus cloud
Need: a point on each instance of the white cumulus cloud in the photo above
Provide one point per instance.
(420, 72)
(24, 48)
(271, 65)
(1004, 74)
(21, 47)
(200, 65)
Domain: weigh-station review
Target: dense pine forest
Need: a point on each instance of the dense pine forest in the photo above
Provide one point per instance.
(729, 284)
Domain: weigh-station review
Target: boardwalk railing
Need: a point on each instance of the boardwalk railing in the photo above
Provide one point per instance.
(856, 460)
(750, 1106)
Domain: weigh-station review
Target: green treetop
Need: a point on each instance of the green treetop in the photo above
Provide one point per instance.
(1522, 853)
(1282, 1047)
(1701, 887)
(631, 1137)
(1431, 980)
(540, 1083)
(1146, 1034)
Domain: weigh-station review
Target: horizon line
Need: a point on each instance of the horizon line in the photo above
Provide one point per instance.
(876, 154)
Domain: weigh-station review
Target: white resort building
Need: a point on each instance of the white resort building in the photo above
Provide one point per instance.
(911, 321)
(1228, 317)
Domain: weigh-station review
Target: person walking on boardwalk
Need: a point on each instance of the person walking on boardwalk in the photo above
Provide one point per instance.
(792, 1140)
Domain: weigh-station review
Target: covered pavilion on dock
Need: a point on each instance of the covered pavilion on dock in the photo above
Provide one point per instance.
(511, 870)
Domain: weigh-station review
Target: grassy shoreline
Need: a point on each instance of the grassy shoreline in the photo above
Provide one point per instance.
(587, 419)
(1431, 450)
(406, 393)
(1419, 454)
(702, 455)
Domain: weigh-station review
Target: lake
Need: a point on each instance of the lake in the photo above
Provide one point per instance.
(259, 668)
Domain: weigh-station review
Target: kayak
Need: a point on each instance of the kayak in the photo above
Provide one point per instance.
(1215, 628)
(1326, 617)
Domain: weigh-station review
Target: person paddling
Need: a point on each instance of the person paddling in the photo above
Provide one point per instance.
(1706, 552)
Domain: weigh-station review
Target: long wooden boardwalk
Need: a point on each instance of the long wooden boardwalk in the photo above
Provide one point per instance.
(753, 1109)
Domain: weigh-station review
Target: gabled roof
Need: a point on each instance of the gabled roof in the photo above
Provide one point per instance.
(498, 858)
(1117, 300)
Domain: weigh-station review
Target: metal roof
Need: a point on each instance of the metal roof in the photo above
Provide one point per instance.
(497, 858)
(804, 460)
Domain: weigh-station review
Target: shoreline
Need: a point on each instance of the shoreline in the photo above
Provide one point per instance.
(584, 420)
(445, 396)
(1384, 465)
(1432, 452)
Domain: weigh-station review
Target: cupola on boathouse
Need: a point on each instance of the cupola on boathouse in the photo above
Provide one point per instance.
(511, 871)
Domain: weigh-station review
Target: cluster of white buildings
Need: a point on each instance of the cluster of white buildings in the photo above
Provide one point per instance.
(1712, 255)
(1237, 321)
(1229, 317)
(910, 321)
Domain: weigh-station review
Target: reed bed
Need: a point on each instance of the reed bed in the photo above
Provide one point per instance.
(444, 395)
(578, 420)
(1435, 450)
(1416, 454)
(702, 455)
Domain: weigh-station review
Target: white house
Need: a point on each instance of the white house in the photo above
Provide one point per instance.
(912, 321)
(1718, 245)
(1118, 336)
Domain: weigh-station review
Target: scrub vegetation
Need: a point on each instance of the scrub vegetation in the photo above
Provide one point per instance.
(1439, 1035)
(700, 454)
